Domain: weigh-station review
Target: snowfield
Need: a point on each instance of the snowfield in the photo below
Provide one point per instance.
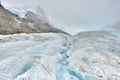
(56, 56)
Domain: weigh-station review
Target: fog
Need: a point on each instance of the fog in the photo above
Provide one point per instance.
(74, 16)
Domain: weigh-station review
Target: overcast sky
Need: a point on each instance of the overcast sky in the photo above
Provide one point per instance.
(75, 15)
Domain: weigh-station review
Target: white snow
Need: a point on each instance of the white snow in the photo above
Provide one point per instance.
(30, 56)
(19, 11)
(56, 56)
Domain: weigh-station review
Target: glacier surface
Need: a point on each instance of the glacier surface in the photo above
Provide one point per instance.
(57, 56)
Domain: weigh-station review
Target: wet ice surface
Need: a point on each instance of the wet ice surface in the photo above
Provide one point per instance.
(55, 56)
(30, 56)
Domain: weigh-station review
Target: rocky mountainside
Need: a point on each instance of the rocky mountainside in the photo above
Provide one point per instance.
(11, 23)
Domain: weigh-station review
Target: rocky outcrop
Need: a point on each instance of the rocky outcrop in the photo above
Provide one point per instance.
(11, 23)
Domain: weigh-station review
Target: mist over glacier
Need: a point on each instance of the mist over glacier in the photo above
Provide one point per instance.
(75, 15)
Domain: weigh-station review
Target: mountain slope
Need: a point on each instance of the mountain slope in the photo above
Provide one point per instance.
(11, 23)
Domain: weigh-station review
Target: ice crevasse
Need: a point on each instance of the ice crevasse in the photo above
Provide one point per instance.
(56, 56)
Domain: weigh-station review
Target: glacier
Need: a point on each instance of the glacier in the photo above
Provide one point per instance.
(48, 53)
(93, 55)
